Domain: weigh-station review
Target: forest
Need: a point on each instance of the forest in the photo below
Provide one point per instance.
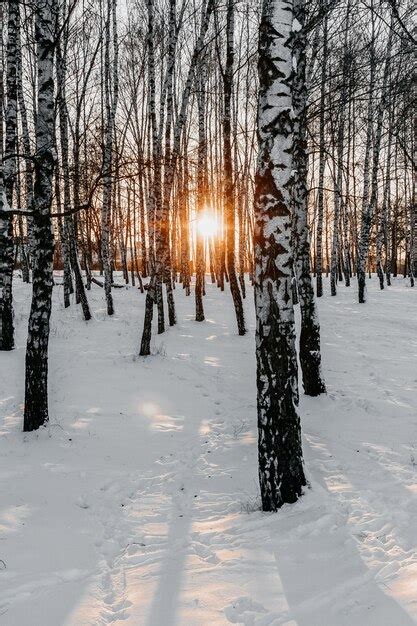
(208, 329)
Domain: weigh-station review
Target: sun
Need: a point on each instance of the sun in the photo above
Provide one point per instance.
(207, 225)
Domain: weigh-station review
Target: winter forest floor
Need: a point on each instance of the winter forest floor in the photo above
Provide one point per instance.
(138, 503)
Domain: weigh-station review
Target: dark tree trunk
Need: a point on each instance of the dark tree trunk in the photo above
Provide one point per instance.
(229, 194)
(310, 356)
(322, 165)
(6, 223)
(201, 193)
(36, 384)
(69, 235)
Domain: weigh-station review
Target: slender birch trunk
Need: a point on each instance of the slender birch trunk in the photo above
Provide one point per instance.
(63, 222)
(36, 384)
(386, 212)
(161, 260)
(338, 197)
(110, 113)
(154, 293)
(142, 227)
(68, 235)
(184, 221)
(26, 142)
(169, 84)
(363, 247)
(322, 164)
(310, 356)
(201, 192)
(369, 206)
(413, 224)
(24, 260)
(4, 218)
(347, 265)
(229, 191)
(382, 226)
(9, 173)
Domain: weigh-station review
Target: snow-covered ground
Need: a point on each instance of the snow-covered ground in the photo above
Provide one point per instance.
(138, 503)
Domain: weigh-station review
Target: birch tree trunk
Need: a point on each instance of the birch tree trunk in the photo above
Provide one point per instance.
(154, 293)
(338, 198)
(281, 473)
(63, 237)
(69, 234)
(184, 225)
(63, 222)
(201, 194)
(9, 172)
(386, 213)
(310, 356)
(369, 206)
(161, 260)
(36, 384)
(24, 261)
(4, 218)
(382, 231)
(347, 265)
(229, 193)
(166, 250)
(28, 176)
(363, 246)
(322, 165)
(110, 112)
(413, 207)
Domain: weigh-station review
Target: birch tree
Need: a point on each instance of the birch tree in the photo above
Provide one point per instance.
(9, 174)
(201, 192)
(36, 383)
(322, 161)
(161, 261)
(338, 183)
(110, 114)
(68, 235)
(366, 208)
(281, 472)
(229, 191)
(310, 356)
(26, 143)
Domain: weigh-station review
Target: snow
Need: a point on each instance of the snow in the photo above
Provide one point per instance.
(138, 504)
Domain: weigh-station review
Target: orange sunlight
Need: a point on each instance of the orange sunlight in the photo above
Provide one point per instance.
(207, 224)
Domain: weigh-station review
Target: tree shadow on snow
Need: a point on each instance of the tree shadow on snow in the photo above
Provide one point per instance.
(324, 578)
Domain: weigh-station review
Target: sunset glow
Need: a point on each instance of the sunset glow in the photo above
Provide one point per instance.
(207, 225)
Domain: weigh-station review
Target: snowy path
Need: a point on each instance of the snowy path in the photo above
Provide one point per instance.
(138, 504)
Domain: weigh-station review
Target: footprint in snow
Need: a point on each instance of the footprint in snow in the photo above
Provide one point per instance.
(243, 610)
